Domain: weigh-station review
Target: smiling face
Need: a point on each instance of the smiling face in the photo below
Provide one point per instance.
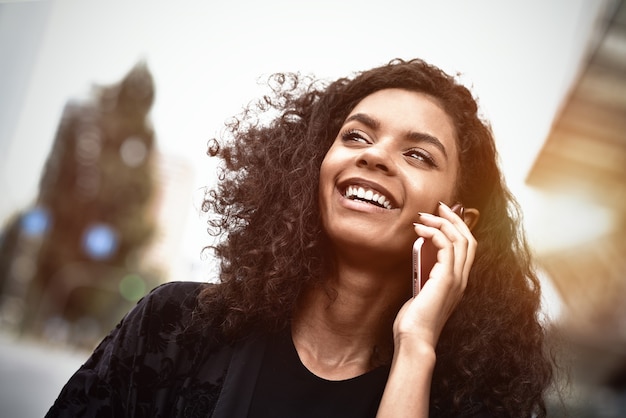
(395, 155)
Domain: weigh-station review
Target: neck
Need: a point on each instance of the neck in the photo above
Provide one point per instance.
(345, 329)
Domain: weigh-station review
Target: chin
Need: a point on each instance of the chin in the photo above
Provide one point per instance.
(369, 242)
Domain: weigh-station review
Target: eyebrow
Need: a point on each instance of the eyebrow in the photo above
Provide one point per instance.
(366, 120)
(372, 123)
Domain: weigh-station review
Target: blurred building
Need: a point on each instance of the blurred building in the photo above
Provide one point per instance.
(70, 265)
(582, 167)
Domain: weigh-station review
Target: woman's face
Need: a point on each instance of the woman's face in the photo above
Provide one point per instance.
(395, 155)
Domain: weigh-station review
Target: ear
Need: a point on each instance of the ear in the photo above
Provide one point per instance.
(470, 217)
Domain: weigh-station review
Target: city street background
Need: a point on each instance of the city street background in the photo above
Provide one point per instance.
(32, 375)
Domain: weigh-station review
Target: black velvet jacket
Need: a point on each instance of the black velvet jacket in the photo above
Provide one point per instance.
(148, 367)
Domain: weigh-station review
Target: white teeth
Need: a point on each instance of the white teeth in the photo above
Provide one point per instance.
(370, 195)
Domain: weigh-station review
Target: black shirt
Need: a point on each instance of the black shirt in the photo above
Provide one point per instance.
(286, 388)
(151, 366)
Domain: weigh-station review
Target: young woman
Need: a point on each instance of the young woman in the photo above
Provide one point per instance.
(318, 208)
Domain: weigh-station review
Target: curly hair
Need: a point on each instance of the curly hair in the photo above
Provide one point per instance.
(265, 209)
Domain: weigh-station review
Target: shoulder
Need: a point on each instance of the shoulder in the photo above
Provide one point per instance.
(181, 293)
(167, 308)
(170, 303)
(149, 352)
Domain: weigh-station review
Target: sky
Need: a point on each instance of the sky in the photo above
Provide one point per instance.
(209, 58)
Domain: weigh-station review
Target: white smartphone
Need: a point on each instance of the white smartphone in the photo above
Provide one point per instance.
(417, 265)
(417, 255)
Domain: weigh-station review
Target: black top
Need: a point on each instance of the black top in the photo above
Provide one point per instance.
(150, 365)
(286, 388)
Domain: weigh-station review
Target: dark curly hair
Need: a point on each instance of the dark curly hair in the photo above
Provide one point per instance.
(265, 209)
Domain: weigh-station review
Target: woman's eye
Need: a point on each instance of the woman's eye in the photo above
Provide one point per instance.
(355, 136)
(421, 156)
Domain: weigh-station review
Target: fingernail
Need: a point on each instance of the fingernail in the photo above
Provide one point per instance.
(457, 208)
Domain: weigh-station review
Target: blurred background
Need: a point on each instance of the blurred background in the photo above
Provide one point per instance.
(106, 109)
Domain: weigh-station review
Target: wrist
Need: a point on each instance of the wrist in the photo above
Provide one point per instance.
(412, 347)
(408, 386)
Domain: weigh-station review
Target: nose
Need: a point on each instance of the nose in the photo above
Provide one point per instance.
(376, 157)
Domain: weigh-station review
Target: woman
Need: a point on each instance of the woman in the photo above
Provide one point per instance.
(314, 315)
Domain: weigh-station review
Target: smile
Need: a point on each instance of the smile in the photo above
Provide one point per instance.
(367, 195)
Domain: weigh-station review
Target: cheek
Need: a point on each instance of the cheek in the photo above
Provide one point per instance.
(324, 177)
(328, 168)
(425, 194)
(325, 183)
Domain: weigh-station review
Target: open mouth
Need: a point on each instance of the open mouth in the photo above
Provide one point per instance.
(367, 195)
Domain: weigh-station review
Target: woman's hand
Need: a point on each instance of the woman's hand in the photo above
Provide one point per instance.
(422, 318)
(418, 325)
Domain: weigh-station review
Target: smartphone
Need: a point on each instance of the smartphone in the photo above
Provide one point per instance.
(418, 283)
(417, 265)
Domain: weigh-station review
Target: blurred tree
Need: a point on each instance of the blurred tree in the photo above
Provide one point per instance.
(90, 221)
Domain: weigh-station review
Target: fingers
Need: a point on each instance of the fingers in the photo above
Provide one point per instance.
(456, 246)
(466, 240)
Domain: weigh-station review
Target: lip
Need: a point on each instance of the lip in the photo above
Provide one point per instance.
(357, 181)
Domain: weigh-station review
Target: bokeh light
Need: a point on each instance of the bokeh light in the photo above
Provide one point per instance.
(132, 287)
(100, 241)
(133, 151)
(35, 222)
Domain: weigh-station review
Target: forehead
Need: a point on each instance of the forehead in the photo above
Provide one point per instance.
(395, 99)
(408, 110)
